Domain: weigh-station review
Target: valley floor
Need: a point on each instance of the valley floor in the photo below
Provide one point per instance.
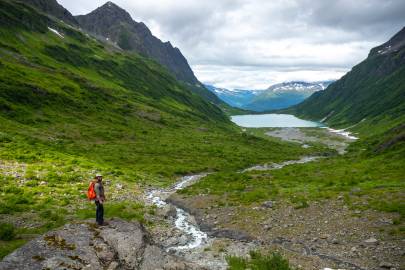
(317, 213)
(341, 230)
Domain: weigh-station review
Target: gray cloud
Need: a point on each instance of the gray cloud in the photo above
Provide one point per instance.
(370, 16)
(250, 43)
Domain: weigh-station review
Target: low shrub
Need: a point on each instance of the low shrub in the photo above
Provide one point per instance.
(7, 231)
(258, 261)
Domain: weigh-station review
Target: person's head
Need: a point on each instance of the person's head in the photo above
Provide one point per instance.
(99, 177)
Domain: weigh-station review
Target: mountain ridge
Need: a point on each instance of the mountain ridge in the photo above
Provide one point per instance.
(116, 25)
(276, 96)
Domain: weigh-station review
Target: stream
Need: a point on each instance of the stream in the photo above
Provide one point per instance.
(197, 242)
(185, 221)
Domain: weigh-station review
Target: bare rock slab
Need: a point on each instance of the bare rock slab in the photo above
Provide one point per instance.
(119, 245)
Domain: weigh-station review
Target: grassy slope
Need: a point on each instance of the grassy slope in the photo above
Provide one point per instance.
(72, 106)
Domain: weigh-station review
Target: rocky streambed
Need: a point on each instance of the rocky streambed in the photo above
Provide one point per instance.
(198, 236)
(192, 239)
(184, 221)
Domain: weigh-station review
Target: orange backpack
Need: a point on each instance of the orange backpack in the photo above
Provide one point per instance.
(91, 193)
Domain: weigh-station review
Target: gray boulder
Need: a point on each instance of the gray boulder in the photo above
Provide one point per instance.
(268, 204)
(119, 245)
(169, 211)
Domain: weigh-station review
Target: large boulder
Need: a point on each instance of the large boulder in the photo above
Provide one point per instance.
(83, 245)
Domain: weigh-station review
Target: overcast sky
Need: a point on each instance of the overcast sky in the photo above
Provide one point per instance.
(251, 44)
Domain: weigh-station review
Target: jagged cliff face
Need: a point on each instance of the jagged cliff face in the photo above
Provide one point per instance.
(115, 25)
(54, 9)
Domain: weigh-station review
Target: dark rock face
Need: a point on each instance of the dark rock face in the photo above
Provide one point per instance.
(112, 23)
(392, 45)
(52, 7)
(120, 245)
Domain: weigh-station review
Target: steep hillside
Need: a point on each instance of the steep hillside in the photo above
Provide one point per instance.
(372, 94)
(110, 23)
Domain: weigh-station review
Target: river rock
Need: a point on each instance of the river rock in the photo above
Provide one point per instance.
(232, 234)
(386, 265)
(119, 245)
(119, 186)
(371, 241)
(335, 241)
(268, 204)
(169, 211)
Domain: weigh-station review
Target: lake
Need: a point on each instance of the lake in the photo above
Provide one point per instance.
(272, 120)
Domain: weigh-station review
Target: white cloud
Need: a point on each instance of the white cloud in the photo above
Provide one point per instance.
(236, 77)
(252, 43)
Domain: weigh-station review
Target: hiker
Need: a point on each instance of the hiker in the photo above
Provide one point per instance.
(100, 199)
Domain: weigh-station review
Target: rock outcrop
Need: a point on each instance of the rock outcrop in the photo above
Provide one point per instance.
(119, 245)
(114, 24)
(52, 8)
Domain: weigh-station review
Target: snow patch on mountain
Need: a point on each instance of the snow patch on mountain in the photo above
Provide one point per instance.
(56, 32)
(299, 86)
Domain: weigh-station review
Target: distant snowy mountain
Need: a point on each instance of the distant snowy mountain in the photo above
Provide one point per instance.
(277, 96)
(296, 86)
(235, 98)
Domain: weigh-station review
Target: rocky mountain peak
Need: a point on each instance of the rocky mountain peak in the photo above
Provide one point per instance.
(112, 13)
(113, 24)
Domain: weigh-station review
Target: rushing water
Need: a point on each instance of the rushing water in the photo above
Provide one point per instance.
(272, 120)
(183, 219)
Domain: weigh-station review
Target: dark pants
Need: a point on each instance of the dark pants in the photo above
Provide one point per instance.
(99, 213)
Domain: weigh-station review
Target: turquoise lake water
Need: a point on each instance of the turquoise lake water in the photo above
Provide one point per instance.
(272, 120)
